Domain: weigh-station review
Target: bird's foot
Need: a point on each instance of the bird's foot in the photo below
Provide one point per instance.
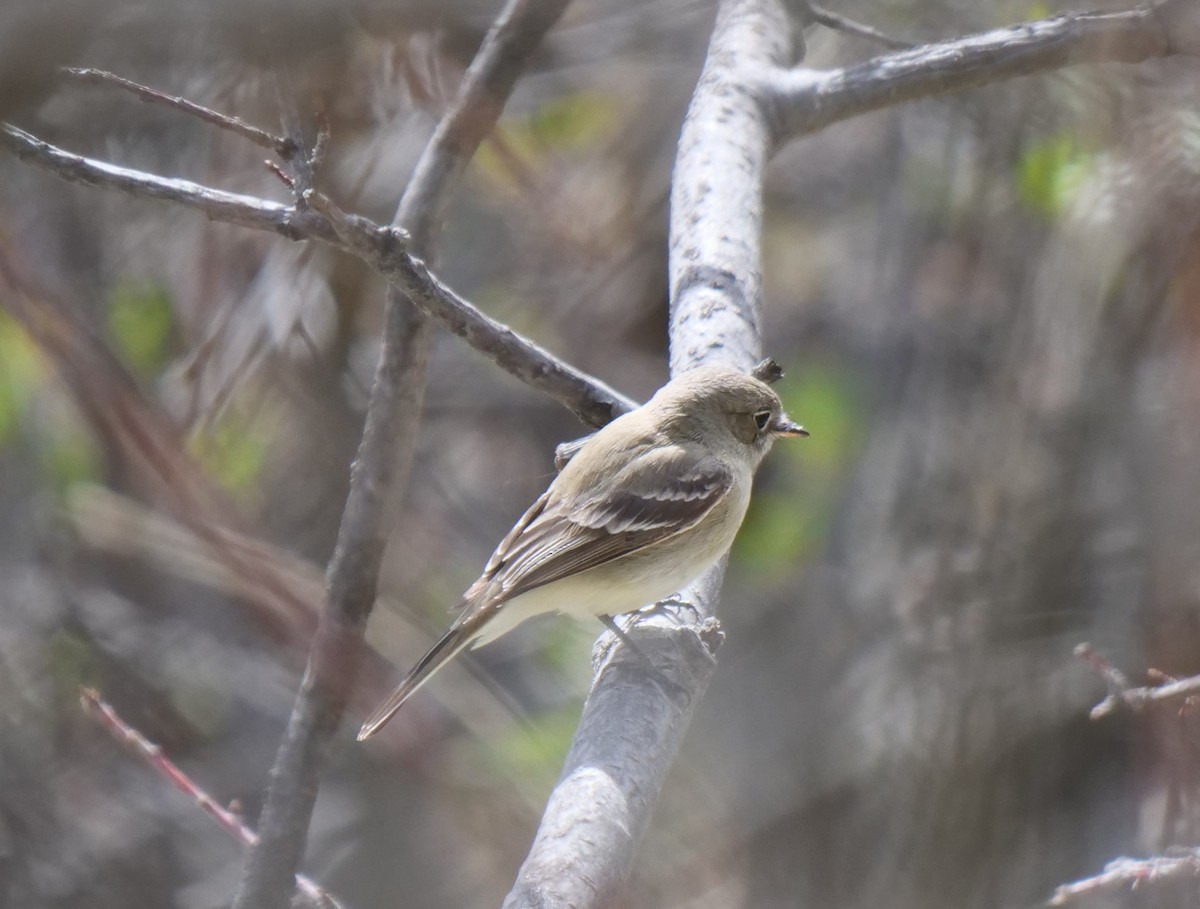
(672, 607)
(616, 629)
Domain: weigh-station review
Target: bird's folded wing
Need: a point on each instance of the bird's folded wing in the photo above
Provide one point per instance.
(658, 494)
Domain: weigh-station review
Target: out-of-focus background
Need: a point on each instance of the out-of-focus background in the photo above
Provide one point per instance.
(989, 309)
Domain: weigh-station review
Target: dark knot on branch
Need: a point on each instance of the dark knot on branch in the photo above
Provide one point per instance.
(768, 371)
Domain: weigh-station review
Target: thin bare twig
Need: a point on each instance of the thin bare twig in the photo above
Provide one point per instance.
(284, 177)
(298, 157)
(320, 149)
(216, 204)
(1122, 694)
(281, 146)
(1128, 873)
(106, 715)
(840, 23)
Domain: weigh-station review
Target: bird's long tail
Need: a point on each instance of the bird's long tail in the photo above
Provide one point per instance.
(461, 634)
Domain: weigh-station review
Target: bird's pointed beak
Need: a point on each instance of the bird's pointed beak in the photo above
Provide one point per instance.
(783, 426)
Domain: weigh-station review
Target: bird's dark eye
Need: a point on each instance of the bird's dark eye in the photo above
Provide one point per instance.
(762, 420)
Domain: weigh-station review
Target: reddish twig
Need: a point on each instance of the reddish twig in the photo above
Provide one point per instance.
(278, 144)
(282, 174)
(1122, 694)
(229, 820)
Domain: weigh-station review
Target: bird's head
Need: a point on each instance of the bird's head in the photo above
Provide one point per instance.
(721, 406)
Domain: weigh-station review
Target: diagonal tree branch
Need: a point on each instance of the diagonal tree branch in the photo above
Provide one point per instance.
(385, 250)
(383, 462)
(806, 100)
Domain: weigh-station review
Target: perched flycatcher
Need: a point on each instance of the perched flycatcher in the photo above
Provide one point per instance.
(646, 506)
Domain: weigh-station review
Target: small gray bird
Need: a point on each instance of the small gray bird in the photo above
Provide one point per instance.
(646, 506)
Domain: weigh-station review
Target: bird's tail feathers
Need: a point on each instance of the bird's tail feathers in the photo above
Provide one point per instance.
(461, 634)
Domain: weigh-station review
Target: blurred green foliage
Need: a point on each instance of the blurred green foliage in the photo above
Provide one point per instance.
(437, 593)
(140, 322)
(1050, 172)
(71, 455)
(21, 374)
(33, 405)
(570, 123)
(791, 510)
(234, 451)
(202, 700)
(565, 644)
(579, 120)
(73, 664)
(530, 754)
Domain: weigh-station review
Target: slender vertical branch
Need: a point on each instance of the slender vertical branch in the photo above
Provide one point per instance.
(382, 464)
(239, 127)
(716, 193)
